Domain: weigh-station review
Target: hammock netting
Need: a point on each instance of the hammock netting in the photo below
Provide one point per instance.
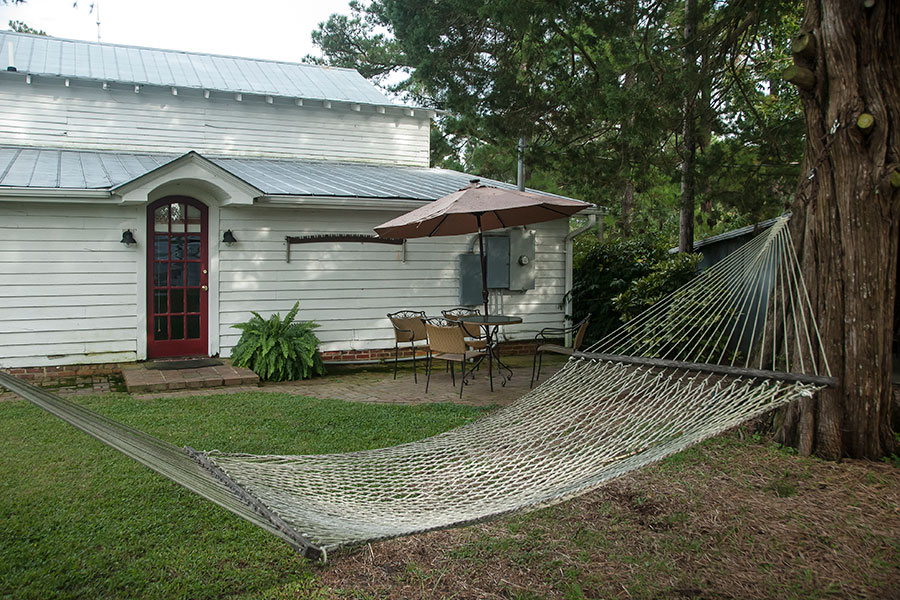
(737, 341)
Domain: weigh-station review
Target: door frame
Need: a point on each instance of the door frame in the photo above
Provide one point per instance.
(202, 346)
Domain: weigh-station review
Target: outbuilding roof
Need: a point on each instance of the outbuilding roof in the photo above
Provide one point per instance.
(55, 170)
(47, 56)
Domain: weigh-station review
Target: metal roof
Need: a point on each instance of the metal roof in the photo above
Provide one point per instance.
(89, 170)
(64, 169)
(735, 233)
(75, 59)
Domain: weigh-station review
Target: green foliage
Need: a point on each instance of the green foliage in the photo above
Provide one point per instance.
(596, 90)
(664, 278)
(279, 350)
(21, 27)
(359, 41)
(604, 270)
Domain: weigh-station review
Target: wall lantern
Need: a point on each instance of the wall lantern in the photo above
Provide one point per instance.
(228, 237)
(128, 238)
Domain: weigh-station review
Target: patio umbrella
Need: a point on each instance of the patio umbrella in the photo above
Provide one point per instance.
(479, 208)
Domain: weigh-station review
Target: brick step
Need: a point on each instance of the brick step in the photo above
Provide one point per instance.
(139, 379)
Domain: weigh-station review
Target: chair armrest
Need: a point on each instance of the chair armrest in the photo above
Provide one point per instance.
(554, 332)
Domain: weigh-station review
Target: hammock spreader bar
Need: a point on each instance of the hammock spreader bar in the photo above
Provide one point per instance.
(300, 543)
(711, 368)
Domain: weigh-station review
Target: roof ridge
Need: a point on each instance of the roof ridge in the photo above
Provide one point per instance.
(175, 51)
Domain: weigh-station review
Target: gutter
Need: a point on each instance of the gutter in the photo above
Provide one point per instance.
(332, 202)
(56, 194)
(592, 214)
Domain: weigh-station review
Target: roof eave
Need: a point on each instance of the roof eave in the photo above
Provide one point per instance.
(340, 202)
(407, 109)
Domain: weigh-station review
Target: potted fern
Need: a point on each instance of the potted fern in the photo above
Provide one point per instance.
(278, 349)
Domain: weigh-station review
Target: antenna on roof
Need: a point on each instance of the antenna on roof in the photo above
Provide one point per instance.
(96, 5)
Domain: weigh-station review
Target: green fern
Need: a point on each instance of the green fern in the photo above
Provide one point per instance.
(278, 349)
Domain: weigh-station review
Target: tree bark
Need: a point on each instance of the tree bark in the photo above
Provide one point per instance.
(689, 133)
(845, 224)
(627, 222)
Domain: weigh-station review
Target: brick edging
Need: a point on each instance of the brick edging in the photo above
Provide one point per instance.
(514, 348)
(59, 372)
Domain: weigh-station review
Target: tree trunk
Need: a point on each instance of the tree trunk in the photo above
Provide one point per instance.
(689, 134)
(845, 223)
(627, 223)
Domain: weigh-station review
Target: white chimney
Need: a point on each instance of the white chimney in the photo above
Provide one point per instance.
(12, 62)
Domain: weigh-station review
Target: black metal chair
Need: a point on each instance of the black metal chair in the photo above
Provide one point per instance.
(408, 328)
(544, 340)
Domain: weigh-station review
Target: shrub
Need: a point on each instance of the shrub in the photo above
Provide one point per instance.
(664, 278)
(618, 279)
(279, 349)
(604, 271)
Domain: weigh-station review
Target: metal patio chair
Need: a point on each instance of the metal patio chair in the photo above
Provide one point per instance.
(408, 329)
(446, 341)
(475, 337)
(554, 333)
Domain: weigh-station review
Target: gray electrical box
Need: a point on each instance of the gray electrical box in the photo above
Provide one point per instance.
(497, 251)
(521, 260)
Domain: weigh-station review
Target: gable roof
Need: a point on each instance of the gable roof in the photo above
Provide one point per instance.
(75, 59)
(58, 172)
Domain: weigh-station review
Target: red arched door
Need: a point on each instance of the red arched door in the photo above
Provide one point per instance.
(177, 278)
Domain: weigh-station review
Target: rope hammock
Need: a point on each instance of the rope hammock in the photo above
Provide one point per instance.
(734, 343)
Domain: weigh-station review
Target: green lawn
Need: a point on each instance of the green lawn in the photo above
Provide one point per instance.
(80, 520)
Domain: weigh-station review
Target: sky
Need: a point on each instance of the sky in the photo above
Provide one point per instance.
(269, 29)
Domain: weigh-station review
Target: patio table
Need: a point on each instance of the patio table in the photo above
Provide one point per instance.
(490, 324)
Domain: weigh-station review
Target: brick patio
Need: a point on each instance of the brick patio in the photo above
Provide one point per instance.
(375, 383)
(359, 383)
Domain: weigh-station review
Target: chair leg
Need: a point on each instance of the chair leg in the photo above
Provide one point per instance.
(396, 358)
(535, 368)
(428, 372)
(452, 373)
(462, 380)
(415, 377)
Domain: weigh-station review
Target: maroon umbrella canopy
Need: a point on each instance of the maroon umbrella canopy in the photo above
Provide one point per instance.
(476, 208)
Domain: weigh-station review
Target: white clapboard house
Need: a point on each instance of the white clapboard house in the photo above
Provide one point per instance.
(150, 199)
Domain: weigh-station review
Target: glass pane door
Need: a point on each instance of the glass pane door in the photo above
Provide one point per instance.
(178, 278)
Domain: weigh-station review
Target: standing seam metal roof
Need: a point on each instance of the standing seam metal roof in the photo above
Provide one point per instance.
(91, 170)
(41, 55)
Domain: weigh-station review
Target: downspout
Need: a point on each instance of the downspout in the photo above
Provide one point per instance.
(520, 170)
(592, 221)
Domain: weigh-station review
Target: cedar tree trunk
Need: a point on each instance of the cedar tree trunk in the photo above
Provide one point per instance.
(845, 222)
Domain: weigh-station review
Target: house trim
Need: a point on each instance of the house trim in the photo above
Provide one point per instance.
(189, 167)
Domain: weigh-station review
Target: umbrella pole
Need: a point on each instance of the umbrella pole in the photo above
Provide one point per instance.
(484, 297)
(484, 286)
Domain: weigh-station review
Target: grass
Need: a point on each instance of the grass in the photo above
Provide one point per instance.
(82, 521)
(734, 517)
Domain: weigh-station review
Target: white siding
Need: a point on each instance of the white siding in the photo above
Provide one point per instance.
(349, 288)
(47, 114)
(67, 286)
(69, 290)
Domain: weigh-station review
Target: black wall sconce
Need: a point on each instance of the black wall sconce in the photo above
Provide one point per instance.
(128, 238)
(228, 237)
